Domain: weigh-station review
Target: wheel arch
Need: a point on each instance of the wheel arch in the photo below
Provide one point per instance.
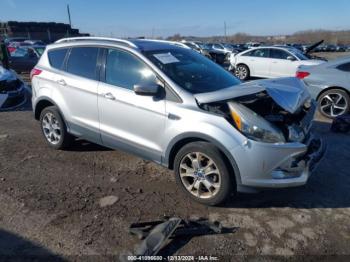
(332, 88)
(42, 104)
(178, 142)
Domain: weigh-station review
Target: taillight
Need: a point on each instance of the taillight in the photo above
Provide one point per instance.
(301, 74)
(34, 72)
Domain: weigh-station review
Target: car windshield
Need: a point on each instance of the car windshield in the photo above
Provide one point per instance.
(203, 46)
(192, 71)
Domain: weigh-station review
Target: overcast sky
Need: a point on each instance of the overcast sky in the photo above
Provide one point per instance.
(187, 17)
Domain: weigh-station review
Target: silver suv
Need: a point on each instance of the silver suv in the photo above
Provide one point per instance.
(169, 104)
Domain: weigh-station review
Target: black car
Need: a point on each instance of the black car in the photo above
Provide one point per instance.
(25, 58)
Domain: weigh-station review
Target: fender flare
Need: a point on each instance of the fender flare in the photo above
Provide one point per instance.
(200, 136)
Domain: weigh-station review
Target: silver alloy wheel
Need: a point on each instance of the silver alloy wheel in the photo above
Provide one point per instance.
(241, 72)
(333, 104)
(51, 128)
(200, 175)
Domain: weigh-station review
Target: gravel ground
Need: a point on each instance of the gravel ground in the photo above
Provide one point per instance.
(77, 204)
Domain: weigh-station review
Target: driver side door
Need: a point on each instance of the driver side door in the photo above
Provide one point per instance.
(129, 121)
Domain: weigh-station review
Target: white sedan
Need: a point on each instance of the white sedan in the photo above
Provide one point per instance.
(269, 62)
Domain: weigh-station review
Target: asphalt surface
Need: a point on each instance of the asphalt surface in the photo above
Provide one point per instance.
(53, 201)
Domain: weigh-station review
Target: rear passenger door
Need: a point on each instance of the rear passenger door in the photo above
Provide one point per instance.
(258, 62)
(76, 91)
(128, 121)
(280, 66)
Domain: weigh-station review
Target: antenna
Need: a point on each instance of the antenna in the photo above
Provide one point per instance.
(68, 11)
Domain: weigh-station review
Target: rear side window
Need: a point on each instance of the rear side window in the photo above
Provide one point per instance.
(279, 54)
(344, 67)
(82, 61)
(56, 57)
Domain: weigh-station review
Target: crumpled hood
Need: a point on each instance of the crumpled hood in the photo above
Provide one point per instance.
(290, 93)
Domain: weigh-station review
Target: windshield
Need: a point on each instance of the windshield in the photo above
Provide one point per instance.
(192, 71)
(203, 46)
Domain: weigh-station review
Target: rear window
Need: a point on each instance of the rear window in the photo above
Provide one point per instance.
(82, 61)
(56, 57)
(344, 67)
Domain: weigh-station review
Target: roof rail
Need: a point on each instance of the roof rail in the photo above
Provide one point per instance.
(71, 39)
(168, 42)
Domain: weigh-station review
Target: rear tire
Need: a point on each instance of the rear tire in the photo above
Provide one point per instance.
(54, 129)
(203, 174)
(333, 103)
(242, 72)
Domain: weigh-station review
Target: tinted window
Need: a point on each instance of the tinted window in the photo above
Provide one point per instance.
(126, 70)
(192, 71)
(258, 53)
(19, 52)
(82, 62)
(344, 67)
(56, 57)
(279, 54)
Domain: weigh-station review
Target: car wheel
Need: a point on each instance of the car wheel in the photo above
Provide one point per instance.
(202, 173)
(333, 103)
(54, 128)
(242, 72)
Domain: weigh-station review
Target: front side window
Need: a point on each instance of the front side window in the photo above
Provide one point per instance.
(344, 67)
(82, 62)
(191, 71)
(279, 54)
(126, 70)
(56, 57)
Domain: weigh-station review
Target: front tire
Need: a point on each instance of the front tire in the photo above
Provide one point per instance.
(202, 173)
(333, 103)
(54, 128)
(242, 72)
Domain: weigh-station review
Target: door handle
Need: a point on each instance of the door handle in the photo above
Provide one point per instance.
(109, 96)
(61, 82)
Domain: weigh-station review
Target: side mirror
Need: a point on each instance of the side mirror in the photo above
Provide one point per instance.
(291, 58)
(146, 89)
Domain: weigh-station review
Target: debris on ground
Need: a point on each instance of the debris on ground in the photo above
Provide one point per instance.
(156, 234)
(108, 201)
(341, 124)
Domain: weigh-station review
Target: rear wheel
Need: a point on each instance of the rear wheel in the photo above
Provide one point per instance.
(54, 128)
(242, 72)
(202, 173)
(333, 103)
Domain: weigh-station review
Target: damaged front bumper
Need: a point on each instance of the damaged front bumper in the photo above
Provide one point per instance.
(282, 165)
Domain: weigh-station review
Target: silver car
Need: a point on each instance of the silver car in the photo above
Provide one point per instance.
(329, 84)
(173, 106)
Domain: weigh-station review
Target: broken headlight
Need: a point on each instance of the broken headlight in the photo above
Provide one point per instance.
(254, 126)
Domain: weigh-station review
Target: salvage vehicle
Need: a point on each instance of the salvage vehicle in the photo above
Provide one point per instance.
(25, 58)
(269, 62)
(218, 56)
(173, 106)
(12, 89)
(329, 84)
